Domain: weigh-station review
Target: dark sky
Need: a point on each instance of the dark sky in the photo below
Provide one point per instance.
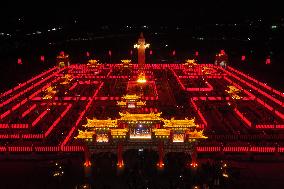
(134, 11)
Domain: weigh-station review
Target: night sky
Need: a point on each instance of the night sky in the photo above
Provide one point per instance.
(101, 12)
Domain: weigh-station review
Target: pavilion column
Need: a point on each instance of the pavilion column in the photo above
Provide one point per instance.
(87, 163)
(120, 163)
(193, 155)
(193, 162)
(87, 158)
(160, 163)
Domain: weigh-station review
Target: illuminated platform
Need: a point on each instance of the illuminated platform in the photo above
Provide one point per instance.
(234, 109)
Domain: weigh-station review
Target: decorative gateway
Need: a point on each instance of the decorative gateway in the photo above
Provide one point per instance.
(93, 63)
(126, 63)
(131, 101)
(62, 60)
(234, 92)
(142, 127)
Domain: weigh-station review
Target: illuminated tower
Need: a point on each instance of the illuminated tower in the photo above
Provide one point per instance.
(141, 46)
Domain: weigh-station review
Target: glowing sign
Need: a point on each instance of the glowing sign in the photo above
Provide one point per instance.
(140, 132)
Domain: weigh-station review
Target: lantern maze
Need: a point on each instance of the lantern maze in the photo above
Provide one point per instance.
(52, 111)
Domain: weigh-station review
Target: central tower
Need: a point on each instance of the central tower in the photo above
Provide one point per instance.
(141, 46)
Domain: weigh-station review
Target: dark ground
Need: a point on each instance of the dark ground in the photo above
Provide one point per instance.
(140, 172)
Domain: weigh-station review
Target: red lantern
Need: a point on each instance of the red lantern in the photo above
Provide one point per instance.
(42, 58)
(268, 61)
(20, 61)
(243, 57)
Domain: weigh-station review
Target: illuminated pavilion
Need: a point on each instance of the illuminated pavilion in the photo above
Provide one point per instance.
(93, 63)
(143, 129)
(49, 93)
(131, 101)
(62, 60)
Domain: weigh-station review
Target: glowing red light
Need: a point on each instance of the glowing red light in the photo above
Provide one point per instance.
(196, 53)
(268, 61)
(87, 163)
(62, 53)
(87, 54)
(160, 164)
(174, 52)
(151, 52)
(120, 164)
(20, 61)
(42, 58)
(109, 53)
(131, 52)
(243, 57)
(194, 164)
(222, 51)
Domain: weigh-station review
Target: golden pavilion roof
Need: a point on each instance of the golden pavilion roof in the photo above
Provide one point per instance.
(67, 78)
(135, 117)
(190, 62)
(49, 93)
(196, 134)
(131, 97)
(126, 61)
(101, 123)
(206, 70)
(121, 103)
(85, 134)
(124, 103)
(50, 89)
(233, 91)
(186, 123)
(93, 63)
(141, 103)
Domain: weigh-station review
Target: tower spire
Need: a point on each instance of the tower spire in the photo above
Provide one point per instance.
(141, 46)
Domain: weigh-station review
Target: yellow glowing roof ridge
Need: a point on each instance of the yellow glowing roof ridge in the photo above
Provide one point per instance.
(85, 134)
(196, 134)
(50, 92)
(133, 117)
(180, 122)
(125, 61)
(233, 92)
(131, 97)
(141, 103)
(121, 103)
(101, 123)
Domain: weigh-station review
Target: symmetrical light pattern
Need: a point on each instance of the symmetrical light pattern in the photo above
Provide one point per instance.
(29, 123)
